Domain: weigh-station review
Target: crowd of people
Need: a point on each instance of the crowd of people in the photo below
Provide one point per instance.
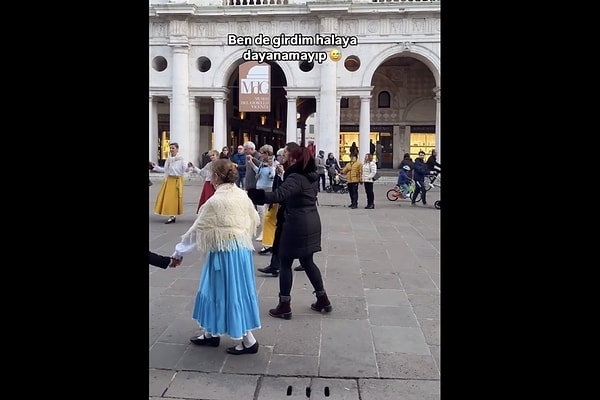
(258, 196)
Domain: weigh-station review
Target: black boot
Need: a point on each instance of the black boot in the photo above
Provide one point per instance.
(322, 303)
(283, 309)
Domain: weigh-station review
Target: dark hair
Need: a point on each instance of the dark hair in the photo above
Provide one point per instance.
(305, 162)
(226, 170)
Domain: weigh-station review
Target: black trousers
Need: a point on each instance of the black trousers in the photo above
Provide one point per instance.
(353, 192)
(420, 188)
(369, 193)
(322, 177)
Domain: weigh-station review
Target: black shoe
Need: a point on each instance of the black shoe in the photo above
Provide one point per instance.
(353, 206)
(246, 350)
(171, 220)
(370, 207)
(299, 268)
(424, 203)
(265, 250)
(211, 341)
(269, 270)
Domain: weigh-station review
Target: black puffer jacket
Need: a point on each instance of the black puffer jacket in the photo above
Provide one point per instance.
(301, 228)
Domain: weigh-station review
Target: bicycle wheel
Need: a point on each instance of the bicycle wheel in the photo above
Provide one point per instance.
(392, 195)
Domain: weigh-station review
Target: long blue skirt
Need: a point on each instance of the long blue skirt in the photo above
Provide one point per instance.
(226, 302)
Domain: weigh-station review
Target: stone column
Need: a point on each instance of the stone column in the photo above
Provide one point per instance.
(328, 110)
(291, 123)
(438, 113)
(364, 127)
(153, 133)
(180, 101)
(194, 141)
(327, 113)
(220, 138)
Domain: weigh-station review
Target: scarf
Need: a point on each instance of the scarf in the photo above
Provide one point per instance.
(227, 221)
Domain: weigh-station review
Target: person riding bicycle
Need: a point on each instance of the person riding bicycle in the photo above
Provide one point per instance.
(419, 176)
(403, 181)
(434, 166)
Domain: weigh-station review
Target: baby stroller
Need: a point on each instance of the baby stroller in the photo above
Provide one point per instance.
(340, 184)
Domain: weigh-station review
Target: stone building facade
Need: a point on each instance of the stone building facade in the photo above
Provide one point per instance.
(340, 72)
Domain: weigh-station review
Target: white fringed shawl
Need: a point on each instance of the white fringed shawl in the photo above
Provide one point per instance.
(228, 220)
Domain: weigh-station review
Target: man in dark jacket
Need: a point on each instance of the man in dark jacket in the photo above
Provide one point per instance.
(432, 163)
(239, 159)
(420, 171)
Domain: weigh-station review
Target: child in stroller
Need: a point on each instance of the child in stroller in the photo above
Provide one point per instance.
(340, 183)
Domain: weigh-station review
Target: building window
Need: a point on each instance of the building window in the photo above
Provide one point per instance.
(383, 100)
(344, 102)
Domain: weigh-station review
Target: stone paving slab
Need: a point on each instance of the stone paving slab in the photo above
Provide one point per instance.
(381, 269)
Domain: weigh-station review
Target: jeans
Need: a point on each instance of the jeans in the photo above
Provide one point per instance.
(322, 177)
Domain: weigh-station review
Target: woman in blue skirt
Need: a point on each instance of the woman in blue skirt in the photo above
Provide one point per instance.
(226, 302)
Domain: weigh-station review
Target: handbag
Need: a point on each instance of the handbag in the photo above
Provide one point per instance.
(376, 176)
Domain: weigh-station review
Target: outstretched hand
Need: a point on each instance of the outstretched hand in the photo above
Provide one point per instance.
(175, 262)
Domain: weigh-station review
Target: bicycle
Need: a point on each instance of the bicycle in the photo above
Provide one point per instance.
(395, 193)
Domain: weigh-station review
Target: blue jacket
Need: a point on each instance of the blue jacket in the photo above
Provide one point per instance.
(420, 170)
(403, 178)
(240, 160)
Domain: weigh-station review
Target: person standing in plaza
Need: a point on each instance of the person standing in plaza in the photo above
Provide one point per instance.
(205, 172)
(224, 152)
(353, 150)
(251, 153)
(419, 177)
(369, 171)
(274, 264)
(169, 200)
(264, 171)
(332, 166)
(239, 159)
(354, 175)
(300, 231)
(226, 302)
(320, 160)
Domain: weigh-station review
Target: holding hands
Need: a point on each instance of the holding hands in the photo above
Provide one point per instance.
(175, 262)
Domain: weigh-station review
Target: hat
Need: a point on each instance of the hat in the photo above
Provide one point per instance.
(406, 167)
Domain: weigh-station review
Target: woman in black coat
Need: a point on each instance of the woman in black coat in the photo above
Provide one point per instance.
(300, 229)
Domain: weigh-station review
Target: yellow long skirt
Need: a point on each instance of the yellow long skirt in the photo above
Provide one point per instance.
(170, 197)
(269, 223)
